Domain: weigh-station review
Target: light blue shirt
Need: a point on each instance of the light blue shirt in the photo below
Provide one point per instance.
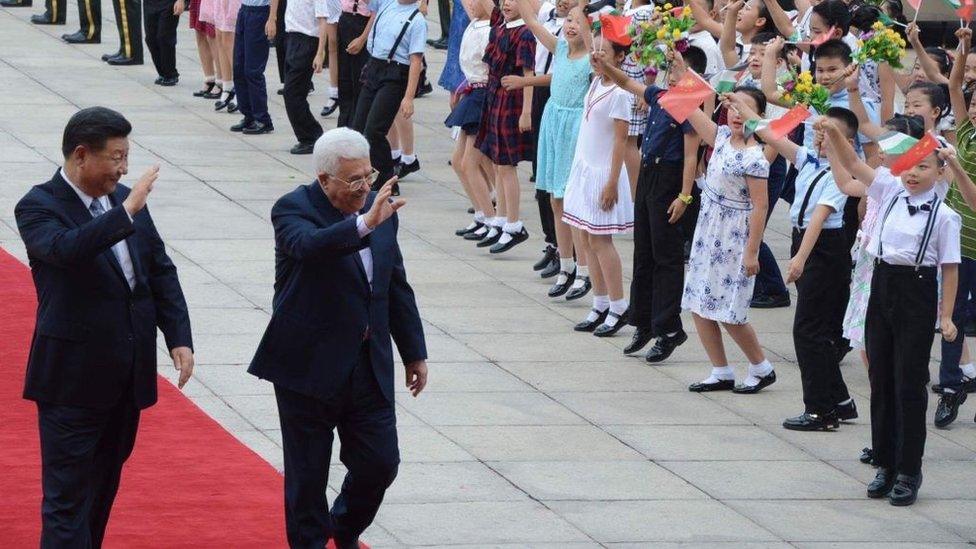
(825, 193)
(391, 15)
(843, 99)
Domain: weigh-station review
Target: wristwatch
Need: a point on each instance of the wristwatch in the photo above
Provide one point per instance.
(686, 198)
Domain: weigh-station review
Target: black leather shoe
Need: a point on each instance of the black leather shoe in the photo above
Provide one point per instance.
(44, 19)
(846, 412)
(107, 56)
(478, 234)
(168, 82)
(764, 382)
(122, 61)
(770, 301)
(812, 422)
(223, 103)
(867, 456)
(407, 169)
(207, 88)
(641, 337)
(575, 293)
(720, 385)
(968, 385)
(257, 128)
(80, 38)
(551, 270)
(587, 326)
(517, 239)
(948, 409)
(664, 346)
(905, 490)
(331, 108)
(606, 331)
(474, 226)
(547, 254)
(16, 3)
(883, 481)
(303, 148)
(439, 44)
(215, 92)
(239, 127)
(557, 289)
(424, 89)
(490, 239)
(232, 107)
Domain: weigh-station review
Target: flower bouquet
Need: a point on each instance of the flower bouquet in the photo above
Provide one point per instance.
(653, 39)
(801, 90)
(881, 44)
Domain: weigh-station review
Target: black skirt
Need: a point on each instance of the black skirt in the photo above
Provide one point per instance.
(467, 113)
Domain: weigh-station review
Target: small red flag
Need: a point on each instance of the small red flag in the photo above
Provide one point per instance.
(914, 155)
(685, 96)
(615, 29)
(915, 4)
(782, 126)
(822, 38)
(966, 11)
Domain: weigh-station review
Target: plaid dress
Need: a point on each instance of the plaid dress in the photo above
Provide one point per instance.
(509, 51)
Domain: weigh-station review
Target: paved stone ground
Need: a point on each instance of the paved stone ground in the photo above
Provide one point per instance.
(529, 435)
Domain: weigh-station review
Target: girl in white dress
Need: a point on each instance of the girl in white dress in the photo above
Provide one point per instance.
(597, 202)
(725, 249)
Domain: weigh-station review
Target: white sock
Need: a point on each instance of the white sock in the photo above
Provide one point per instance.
(505, 238)
(479, 216)
(228, 85)
(396, 153)
(333, 92)
(513, 227)
(721, 373)
(968, 370)
(757, 371)
(498, 222)
(474, 223)
(568, 264)
(600, 303)
(482, 231)
(408, 158)
(209, 78)
(617, 307)
(581, 273)
(492, 232)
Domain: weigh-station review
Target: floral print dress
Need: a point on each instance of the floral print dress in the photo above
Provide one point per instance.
(716, 286)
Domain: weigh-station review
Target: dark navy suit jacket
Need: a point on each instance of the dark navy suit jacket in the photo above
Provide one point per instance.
(324, 310)
(95, 337)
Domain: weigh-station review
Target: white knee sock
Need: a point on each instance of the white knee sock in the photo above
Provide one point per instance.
(600, 303)
(617, 307)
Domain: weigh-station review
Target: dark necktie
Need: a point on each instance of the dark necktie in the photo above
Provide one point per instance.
(96, 208)
(912, 210)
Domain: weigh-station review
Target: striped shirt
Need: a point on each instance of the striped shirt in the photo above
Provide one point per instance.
(966, 148)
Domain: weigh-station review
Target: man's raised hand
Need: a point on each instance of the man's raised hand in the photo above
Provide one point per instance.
(140, 191)
(383, 208)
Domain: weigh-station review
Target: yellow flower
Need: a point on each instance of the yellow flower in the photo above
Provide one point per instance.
(878, 25)
(676, 34)
(787, 97)
(668, 6)
(661, 33)
(686, 12)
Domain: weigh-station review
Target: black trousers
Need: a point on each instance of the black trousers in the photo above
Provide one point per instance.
(366, 422)
(822, 294)
(55, 9)
(659, 267)
(901, 315)
(161, 27)
(540, 96)
(281, 40)
(82, 453)
(128, 18)
(382, 89)
(251, 50)
(444, 14)
(349, 28)
(298, 82)
(90, 18)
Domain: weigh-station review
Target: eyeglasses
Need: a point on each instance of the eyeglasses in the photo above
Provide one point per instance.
(118, 159)
(358, 184)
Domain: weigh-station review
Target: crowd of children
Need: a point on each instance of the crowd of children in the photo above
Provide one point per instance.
(878, 181)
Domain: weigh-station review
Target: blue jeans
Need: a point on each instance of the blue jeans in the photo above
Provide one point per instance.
(251, 49)
(769, 281)
(950, 375)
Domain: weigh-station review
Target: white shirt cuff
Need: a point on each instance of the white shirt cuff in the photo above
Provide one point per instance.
(361, 227)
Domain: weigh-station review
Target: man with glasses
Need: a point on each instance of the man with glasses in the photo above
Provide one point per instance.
(341, 293)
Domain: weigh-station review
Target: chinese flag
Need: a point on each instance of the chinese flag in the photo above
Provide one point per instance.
(822, 38)
(914, 155)
(786, 123)
(917, 4)
(685, 96)
(966, 11)
(614, 28)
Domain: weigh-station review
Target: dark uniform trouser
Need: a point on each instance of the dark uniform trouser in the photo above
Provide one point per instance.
(383, 87)
(82, 453)
(298, 81)
(540, 96)
(161, 27)
(55, 10)
(281, 40)
(349, 28)
(659, 267)
(950, 374)
(128, 18)
(251, 50)
(90, 18)
(822, 294)
(444, 14)
(366, 422)
(901, 314)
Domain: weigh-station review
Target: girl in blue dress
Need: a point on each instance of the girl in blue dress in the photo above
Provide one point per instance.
(452, 75)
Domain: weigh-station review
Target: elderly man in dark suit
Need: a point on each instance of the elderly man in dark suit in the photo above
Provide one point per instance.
(340, 294)
(104, 284)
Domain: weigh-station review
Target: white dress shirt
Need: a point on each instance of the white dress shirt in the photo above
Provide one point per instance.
(898, 234)
(301, 16)
(713, 54)
(120, 249)
(365, 254)
(471, 55)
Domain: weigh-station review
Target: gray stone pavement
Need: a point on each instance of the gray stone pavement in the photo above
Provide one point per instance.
(529, 435)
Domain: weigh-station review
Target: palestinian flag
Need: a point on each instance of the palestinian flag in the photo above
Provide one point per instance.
(725, 81)
(781, 126)
(895, 143)
(926, 146)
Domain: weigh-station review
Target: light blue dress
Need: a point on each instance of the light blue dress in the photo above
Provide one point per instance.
(452, 76)
(561, 120)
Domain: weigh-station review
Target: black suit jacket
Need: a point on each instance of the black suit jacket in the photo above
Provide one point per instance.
(324, 309)
(95, 337)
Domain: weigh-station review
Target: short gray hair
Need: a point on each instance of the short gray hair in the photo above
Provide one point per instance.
(335, 145)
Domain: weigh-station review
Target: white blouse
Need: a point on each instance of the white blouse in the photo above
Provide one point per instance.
(472, 52)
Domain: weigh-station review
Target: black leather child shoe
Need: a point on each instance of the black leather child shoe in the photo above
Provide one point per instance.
(589, 326)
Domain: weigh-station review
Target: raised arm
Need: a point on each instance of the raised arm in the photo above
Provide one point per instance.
(956, 97)
(529, 10)
(841, 153)
(767, 79)
(781, 145)
(866, 126)
(963, 182)
(782, 21)
(704, 126)
(929, 66)
(704, 19)
(726, 41)
(619, 77)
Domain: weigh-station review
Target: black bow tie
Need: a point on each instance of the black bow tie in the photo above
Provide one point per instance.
(912, 210)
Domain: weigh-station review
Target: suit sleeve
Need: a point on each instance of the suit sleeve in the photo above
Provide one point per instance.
(48, 239)
(172, 315)
(301, 239)
(405, 325)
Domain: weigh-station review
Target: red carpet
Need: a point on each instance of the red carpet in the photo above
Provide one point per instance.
(189, 483)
